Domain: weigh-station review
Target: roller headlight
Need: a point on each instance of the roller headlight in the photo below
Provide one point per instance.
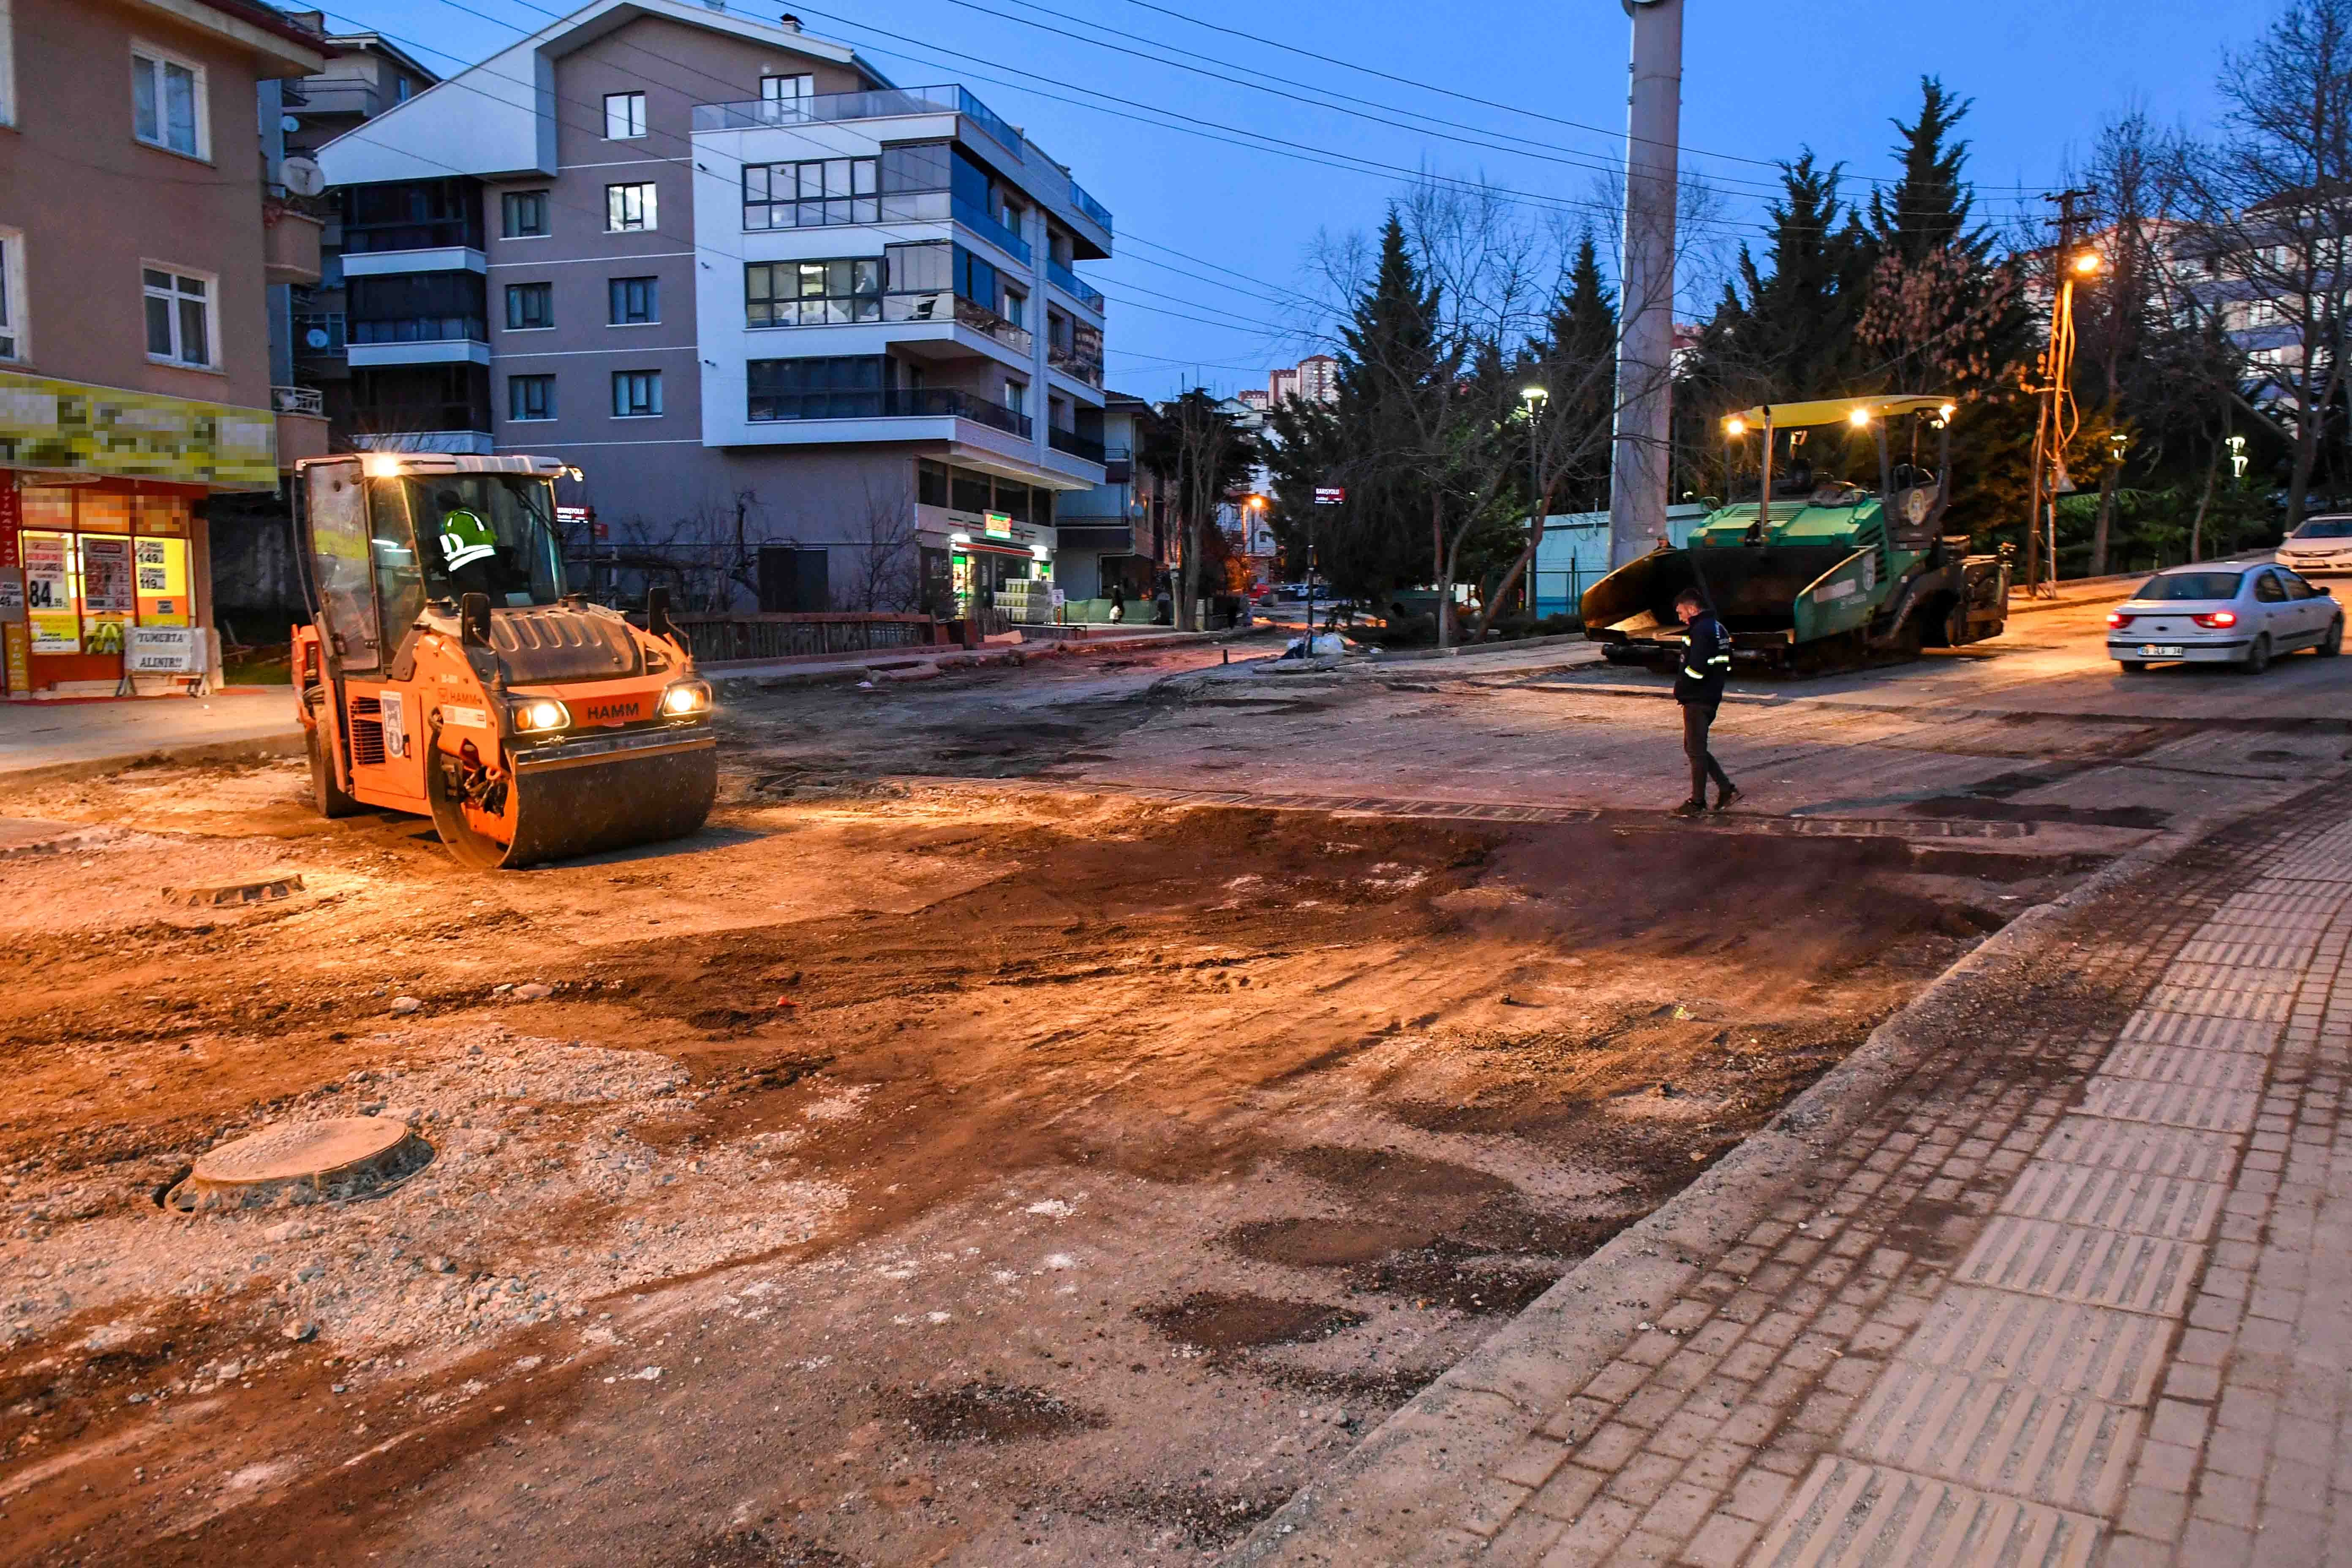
(686, 698)
(541, 715)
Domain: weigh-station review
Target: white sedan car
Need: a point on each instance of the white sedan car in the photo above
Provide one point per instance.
(2223, 615)
(2321, 544)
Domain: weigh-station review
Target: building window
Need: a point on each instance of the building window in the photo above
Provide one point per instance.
(167, 102)
(401, 88)
(531, 397)
(7, 66)
(840, 387)
(811, 293)
(179, 316)
(636, 394)
(790, 94)
(525, 213)
(624, 116)
(529, 306)
(13, 342)
(1017, 396)
(636, 301)
(628, 208)
(809, 195)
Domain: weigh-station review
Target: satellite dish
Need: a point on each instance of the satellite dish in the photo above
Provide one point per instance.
(317, 337)
(302, 176)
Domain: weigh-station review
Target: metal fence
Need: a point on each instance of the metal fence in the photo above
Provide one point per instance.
(733, 637)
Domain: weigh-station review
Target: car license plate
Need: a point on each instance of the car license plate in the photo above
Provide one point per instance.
(2159, 650)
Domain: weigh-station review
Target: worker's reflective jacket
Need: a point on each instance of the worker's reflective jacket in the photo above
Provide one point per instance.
(464, 538)
(1707, 659)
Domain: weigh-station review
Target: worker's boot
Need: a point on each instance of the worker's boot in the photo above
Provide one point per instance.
(1690, 808)
(1728, 799)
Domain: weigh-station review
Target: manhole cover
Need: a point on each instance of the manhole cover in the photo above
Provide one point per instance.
(302, 1161)
(259, 891)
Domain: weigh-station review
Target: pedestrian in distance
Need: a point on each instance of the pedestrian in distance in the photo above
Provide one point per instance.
(1117, 602)
(1698, 686)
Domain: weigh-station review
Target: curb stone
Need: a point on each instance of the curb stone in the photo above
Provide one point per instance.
(1397, 1497)
(259, 748)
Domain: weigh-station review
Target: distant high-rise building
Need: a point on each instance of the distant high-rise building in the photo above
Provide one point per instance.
(1315, 378)
(1255, 398)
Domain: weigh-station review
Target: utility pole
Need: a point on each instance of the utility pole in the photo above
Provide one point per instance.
(2050, 436)
(1639, 455)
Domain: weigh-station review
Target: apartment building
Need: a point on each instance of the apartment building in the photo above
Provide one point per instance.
(1315, 378)
(136, 245)
(754, 291)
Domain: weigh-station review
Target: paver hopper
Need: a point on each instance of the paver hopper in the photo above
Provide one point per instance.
(1828, 572)
(446, 671)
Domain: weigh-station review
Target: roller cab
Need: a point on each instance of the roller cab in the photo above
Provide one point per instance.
(1823, 573)
(446, 672)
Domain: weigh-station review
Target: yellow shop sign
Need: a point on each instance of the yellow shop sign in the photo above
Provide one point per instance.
(69, 425)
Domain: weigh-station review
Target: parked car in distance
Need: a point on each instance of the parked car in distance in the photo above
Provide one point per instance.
(2321, 544)
(2223, 615)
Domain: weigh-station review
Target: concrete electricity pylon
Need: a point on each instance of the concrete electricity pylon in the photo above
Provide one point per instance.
(1639, 465)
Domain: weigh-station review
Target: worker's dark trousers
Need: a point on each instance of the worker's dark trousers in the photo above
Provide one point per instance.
(1697, 717)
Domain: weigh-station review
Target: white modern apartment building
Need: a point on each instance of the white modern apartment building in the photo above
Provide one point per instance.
(729, 271)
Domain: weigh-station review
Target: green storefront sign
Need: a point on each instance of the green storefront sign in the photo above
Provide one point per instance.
(69, 425)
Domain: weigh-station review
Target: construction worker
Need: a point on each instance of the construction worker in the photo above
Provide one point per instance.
(1698, 686)
(466, 539)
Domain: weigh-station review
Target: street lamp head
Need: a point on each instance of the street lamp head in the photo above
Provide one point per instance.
(2086, 262)
(1735, 425)
(1532, 395)
(1946, 411)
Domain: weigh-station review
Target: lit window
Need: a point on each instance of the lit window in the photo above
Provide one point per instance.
(179, 316)
(636, 394)
(531, 397)
(625, 115)
(811, 293)
(167, 103)
(628, 208)
(636, 301)
(12, 285)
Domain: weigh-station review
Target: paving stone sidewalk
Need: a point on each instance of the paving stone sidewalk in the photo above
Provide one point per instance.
(2080, 1290)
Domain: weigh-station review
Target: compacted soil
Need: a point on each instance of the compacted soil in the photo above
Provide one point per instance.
(891, 1175)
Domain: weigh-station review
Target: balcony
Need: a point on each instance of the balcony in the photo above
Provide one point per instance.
(1076, 288)
(985, 226)
(762, 114)
(895, 207)
(889, 402)
(289, 245)
(1088, 205)
(1075, 445)
(318, 333)
(1075, 365)
(946, 307)
(297, 400)
(419, 340)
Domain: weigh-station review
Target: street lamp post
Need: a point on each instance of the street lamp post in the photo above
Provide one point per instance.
(1533, 396)
(2049, 436)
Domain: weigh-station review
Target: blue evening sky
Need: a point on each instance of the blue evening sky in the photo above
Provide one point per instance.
(1215, 237)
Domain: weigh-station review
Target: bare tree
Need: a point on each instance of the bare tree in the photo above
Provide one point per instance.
(884, 578)
(1201, 455)
(2271, 205)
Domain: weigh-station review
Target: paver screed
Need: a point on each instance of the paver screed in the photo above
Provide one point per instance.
(2081, 1290)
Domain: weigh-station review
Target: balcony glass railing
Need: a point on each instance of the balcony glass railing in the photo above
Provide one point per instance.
(1075, 445)
(451, 233)
(1088, 205)
(946, 307)
(988, 228)
(889, 402)
(422, 330)
(893, 206)
(1076, 287)
(757, 113)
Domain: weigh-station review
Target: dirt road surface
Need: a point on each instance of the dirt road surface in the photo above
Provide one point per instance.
(980, 1145)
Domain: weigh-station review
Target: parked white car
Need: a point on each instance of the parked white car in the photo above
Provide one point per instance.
(2223, 615)
(2321, 544)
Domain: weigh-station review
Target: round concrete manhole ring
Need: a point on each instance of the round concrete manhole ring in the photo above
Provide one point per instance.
(261, 891)
(302, 1161)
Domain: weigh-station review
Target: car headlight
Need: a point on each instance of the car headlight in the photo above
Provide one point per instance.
(540, 715)
(686, 698)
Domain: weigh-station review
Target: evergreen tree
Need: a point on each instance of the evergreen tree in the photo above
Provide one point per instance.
(1927, 206)
(1377, 439)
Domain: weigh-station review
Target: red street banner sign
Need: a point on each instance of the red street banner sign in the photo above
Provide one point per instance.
(1330, 495)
